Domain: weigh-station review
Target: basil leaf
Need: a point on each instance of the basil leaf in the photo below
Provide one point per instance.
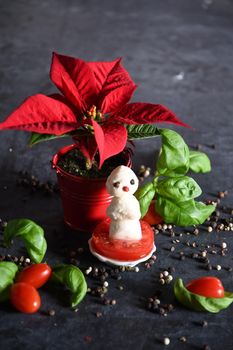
(198, 302)
(186, 213)
(145, 194)
(36, 138)
(174, 156)
(8, 271)
(141, 131)
(73, 278)
(199, 162)
(31, 234)
(179, 189)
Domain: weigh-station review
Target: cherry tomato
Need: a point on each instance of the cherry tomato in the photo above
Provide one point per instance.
(120, 249)
(210, 287)
(25, 298)
(151, 216)
(36, 275)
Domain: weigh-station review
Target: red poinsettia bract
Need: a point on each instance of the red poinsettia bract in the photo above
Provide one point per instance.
(94, 97)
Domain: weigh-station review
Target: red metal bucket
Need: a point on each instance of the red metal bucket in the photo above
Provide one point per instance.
(84, 200)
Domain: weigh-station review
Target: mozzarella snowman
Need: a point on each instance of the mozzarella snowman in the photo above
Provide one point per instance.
(124, 210)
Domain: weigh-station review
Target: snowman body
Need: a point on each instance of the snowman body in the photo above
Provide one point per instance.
(124, 210)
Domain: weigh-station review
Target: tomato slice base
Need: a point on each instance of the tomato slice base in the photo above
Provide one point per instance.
(116, 250)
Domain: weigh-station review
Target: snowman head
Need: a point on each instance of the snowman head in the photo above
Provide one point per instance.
(121, 181)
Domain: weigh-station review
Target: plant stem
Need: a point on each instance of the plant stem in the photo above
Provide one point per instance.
(88, 164)
(155, 179)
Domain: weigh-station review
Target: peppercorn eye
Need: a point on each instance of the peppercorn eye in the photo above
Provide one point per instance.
(132, 182)
(116, 184)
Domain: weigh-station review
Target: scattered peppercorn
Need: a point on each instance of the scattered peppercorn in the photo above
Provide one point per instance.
(166, 341)
(171, 269)
(206, 347)
(183, 339)
(51, 312)
(229, 269)
(143, 172)
(88, 271)
(33, 183)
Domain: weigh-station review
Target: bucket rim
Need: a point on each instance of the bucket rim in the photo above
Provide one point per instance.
(76, 178)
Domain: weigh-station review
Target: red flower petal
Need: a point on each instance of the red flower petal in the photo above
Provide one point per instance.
(146, 113)
(117, 89)
(99, 137)
(42, 114)
(117, 98)
(110, 138)
(75, 79)
(87, 145)
(101, 72)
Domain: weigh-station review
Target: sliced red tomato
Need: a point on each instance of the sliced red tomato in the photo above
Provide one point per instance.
(151, 216)
(25, 298)
(120, 249)
(210, 287)
(36, 275)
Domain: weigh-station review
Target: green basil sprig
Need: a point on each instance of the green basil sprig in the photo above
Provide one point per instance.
(199, 162)
(73, 279)
(173, 189)
(8, 272)
(198, 302)
(31, 234)
(185, 213)
(178, 188)
(145, 194)
(174, 156)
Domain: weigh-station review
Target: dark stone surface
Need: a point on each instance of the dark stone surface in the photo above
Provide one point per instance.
(160, 40)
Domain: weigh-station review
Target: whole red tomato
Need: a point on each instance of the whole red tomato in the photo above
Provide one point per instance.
(25, 298)
(36, 275)
(210, 287)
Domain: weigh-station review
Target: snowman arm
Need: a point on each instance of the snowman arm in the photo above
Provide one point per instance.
(114, 212)
(133, 209)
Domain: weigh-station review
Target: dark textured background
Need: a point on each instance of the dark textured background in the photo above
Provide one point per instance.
(161, 41)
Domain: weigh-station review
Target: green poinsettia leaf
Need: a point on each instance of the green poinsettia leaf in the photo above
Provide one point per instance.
(141, 131)
(37, 138)
(200, 303)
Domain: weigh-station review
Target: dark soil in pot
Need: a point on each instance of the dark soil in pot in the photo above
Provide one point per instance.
(74, 163)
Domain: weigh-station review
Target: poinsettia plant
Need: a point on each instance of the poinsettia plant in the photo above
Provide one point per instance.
(92, 107)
